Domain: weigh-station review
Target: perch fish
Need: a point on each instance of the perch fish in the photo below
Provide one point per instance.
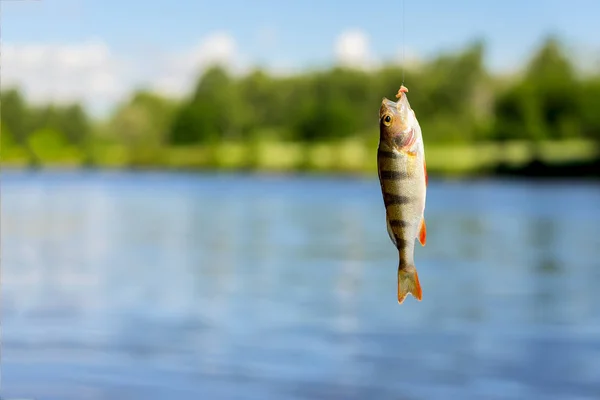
(403, 179)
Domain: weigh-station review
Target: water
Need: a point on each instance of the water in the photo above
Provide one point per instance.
(158, 286)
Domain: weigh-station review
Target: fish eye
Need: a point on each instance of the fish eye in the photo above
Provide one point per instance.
(387, 120)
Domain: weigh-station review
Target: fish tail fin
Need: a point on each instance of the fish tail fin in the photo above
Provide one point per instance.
(408, 282)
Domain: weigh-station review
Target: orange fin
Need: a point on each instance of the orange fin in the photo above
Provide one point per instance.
(422, 232)
(425, 169)
(408, 282)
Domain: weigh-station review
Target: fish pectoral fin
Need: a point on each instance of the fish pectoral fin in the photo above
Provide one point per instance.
(422, 232)
(425, 170)
(408, 282)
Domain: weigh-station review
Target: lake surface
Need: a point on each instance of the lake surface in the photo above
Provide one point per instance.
(172, 286)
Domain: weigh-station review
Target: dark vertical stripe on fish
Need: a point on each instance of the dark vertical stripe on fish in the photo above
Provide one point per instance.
(392, 199)
(387, 154)
(398, 223)
(401, 243)
(394, 175)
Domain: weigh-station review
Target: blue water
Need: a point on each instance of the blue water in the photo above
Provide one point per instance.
(171, 286)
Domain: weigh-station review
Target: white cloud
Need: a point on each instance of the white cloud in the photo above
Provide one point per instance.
(90, 72)
(352, 49)
(178, 72)
(216, 48)
(63, 73)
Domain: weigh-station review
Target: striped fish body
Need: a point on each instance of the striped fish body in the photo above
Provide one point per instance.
(403, 178)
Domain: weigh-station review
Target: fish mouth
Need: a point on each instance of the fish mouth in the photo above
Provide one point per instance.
(387, 105)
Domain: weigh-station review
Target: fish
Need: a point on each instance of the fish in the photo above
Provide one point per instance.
(402, 173)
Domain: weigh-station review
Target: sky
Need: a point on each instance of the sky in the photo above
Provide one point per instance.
(99, 51)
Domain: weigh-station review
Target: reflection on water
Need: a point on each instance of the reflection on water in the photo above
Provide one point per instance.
(155, 286)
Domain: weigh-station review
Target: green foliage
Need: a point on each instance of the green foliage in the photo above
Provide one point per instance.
(52, 146)
(15, 114)
(590, 110)
(10, 150)
(144, 121)
(214, 111)
(71, 120)
(457, 101)
(7, 140)
(47, 140)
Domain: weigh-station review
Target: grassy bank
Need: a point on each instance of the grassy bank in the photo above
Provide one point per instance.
(348, 156)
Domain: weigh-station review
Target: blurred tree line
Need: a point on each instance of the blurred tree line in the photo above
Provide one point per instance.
(455, 98)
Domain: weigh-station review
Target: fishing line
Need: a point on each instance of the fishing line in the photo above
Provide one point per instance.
(403, 41)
